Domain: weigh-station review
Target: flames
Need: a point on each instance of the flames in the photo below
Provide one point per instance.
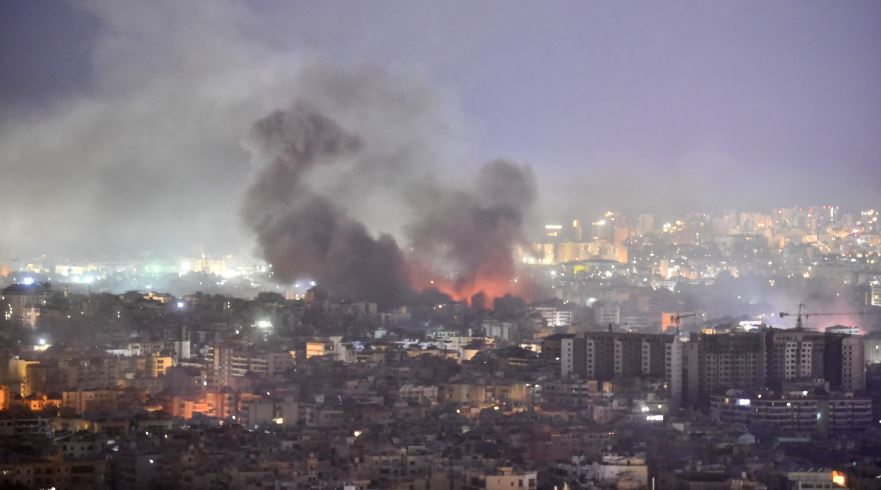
(480, 288)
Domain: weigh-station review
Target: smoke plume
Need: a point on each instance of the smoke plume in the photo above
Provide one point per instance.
(472, 233)
(301, 232)
(460, 239)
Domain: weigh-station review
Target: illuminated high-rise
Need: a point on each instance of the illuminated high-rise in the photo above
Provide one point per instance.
(577, 234)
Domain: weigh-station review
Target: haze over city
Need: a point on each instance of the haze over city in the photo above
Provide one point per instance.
(130, 131)
(440, 245)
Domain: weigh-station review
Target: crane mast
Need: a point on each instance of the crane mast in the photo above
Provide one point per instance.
(801, 317)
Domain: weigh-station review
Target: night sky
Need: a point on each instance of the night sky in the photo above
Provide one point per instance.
(121, 124)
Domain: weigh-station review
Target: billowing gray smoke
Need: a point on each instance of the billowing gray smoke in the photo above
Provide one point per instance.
(461, 239)
(301, 232)
(473, 232)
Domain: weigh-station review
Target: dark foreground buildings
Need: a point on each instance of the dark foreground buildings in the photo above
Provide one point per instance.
(146, 390)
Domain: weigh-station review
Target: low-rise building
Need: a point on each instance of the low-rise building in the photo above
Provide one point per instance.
(796, 412)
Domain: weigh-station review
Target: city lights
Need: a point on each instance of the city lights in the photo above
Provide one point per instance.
(510, 245)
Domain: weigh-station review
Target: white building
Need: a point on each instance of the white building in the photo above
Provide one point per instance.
(555, 317)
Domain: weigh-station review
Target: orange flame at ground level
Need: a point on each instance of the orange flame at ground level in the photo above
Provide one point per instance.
(491, 281)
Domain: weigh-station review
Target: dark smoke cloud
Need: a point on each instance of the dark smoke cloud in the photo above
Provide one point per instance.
(300, 232)
(472, 233)
(461, 236)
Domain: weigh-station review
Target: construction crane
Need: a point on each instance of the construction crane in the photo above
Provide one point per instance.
(801, 316)
(676, 320)
(678, 317)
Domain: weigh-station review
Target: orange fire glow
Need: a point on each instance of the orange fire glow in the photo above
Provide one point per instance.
(490, 280)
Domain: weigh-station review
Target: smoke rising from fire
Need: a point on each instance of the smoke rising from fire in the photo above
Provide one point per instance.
(472, 232)
(301, 232)
(461, 239)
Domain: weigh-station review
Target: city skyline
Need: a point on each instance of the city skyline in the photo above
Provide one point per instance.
(693, 106)
(452, 245)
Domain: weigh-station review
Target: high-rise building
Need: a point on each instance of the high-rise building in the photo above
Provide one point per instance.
(554, 231)
(704, 365)
(730, 361)
(853, 364)
(568, 252)
(685, 370)
(845, 362)
(602, 230)
(577, 234)
(715, 363)
(794, 355)
(22, 302)
(620, 234)
(181, 346)
(645, 223)
(608, 355)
